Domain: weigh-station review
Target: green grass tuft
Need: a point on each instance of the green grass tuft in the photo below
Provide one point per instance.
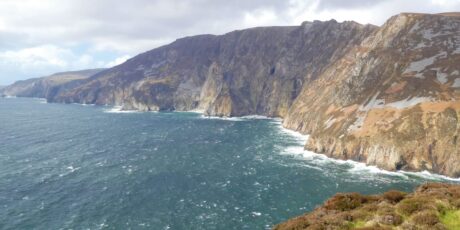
(357, 224)
(451, 219)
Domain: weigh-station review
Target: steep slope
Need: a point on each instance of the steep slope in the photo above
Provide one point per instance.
(430, 206)
(253, 71)
(385, 96)
(42, 87)
(391, 102)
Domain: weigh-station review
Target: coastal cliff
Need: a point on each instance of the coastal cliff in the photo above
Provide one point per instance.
(430, 206)
(44, 87)
(393, 101)
(387, 96)
(253, 71)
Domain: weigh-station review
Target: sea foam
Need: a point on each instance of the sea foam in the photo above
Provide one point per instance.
(242, 118)
(316, 158)
(119, 109)
(354, 166)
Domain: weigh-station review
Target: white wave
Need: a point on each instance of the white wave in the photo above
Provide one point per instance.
(222, 118)
(42, 101)
(313, 157)
(198, 111)
(70, 169)
(10, 97)
(293, 150)
(256, 213)
(256, 117)
(354, 166)
(83, 104)
(432, 176)
(299, 137)
(119, 109)
(242, 118)
(360, 168)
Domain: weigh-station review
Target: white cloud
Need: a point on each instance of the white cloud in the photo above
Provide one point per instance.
(260, 17)
(117, 61)
(45, 60)
(40, 56)
(43, 34)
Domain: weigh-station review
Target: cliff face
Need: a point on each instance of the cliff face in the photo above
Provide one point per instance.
(43, 87)
(386, 96)
(392, 101)
(253, 71)
(430, 206)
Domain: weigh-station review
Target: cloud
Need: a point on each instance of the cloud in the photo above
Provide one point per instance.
(36, 56)
(117, 61)
(87, 33)
(46, 59)
(349, 4)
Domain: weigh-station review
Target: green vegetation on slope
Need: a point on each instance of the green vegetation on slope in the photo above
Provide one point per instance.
(431, 206)
(451, 219)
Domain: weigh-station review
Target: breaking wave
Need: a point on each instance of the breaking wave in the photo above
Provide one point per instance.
(119, 109)
(354, 167)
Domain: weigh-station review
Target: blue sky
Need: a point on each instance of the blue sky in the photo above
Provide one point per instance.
(41, 37)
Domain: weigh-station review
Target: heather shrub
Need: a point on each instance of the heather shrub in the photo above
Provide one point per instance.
(394, 196)
(412, 205)
(345, 202)
(429, 218)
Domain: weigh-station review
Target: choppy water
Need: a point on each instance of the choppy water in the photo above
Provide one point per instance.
(79, 167)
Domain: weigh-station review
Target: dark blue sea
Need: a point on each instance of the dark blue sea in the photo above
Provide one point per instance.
(91, 167)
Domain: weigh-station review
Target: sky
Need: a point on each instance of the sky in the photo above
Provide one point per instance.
(41, 37)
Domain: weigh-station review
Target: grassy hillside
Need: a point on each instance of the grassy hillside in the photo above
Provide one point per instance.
(430, 206)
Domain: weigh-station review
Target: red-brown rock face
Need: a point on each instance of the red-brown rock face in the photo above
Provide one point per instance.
(393, 101)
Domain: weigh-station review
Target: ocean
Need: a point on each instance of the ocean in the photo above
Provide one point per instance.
(69, 166)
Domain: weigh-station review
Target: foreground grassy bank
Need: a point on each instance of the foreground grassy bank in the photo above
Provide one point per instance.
(430, 206)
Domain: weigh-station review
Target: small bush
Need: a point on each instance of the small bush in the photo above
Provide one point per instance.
(394, 196)
(373, 228)
(412, 205)
(372, 207)
(345, 202)
(408, 226)
(385, 208)
(442, 207)
(360, 214)
(356, 224)
(456, 203)
(455, 191)
(426, 218)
